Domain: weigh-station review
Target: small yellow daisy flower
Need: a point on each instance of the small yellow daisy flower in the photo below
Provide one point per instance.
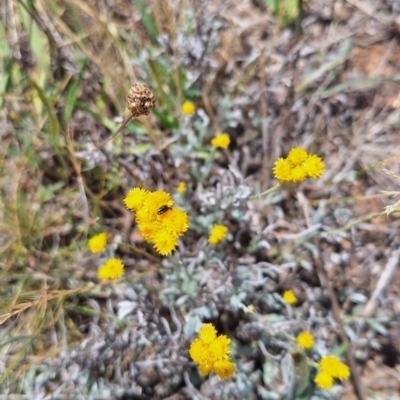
(314, 166)
(297, 156)
(289, 297)
(305, 340)
(211, 352)
(332, 366)
(164, 242)
(222, 141)
(207, 333)
(188, 108)
(283, 170)
(113, 268)
(182, 187)
(135, 198)
(219, 348)
(218, 232)
(197, 350)
(175, 221)
(224, 368)
(323, 380)
(98, 243)
(298, 174)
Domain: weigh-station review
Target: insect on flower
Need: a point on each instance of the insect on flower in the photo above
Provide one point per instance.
(163, 209)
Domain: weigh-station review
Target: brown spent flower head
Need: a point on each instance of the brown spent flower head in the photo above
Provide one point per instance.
(139, 100)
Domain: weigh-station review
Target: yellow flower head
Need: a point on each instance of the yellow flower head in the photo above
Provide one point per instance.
(219, 348)
(297, 156)
(135, 198)
(164, 242)
(298, 166)
(222, 140)
(224, 368)
(298, 174)
(289, 297)
(283, 170)
(211, 352)
(305, 340)
(157, 220)
(182, 187)
(197, 350)
(98, 243)
(207, 333)
(314, 166)
(152, 204)
(332, 366)
(188, 108)
(218, 232)
(111, 269)
(323, 380)
(175, 221)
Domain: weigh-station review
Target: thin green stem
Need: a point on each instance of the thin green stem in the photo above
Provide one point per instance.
(270, 190)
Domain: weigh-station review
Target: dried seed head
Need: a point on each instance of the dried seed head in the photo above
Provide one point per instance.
(140, 100)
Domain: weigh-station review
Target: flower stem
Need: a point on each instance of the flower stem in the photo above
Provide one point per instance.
(116, 132)
(270, 190)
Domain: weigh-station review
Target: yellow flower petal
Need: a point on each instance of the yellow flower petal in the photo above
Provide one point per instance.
(182, 187)
(188, 108)
(220, 347)
(135, 198)
(222, 141)
(197, 350)
(305, 340)
(324, 380)
(298, 174)
(218, 233)
(224, 368)
(98, 243)
(113, 268)
(314, 166)
(207, 333)
(164, 242)
(297, 156)
(332, 366)
(283, 170)
(289, 297)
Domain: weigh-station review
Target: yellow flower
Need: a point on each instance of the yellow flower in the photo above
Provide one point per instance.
(175, 221)
(157, 220)
(207, 333)
(224, 368)
(297, 156)
(314, 166)
(218, 232)
(182, 187)
(164, 242)
(332, 366)
(305, 340)
(188, 108)
(283, 170)
(250, 309)
(222, 140)
(323, 380)
(149, 211)
(197, 350)
(220, 347)
(98, 243)
(298, 166)
(111, 269)
(289, 297)
(135, 198)
(211, 352)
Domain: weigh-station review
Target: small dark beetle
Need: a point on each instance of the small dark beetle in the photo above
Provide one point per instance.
(163, 209)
